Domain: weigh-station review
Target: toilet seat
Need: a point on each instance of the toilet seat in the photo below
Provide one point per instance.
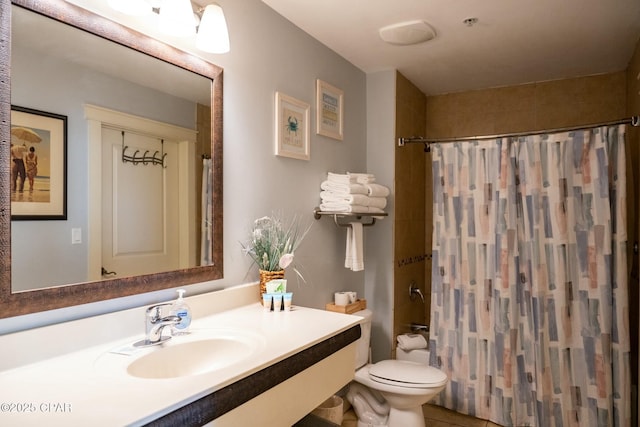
(403, 373)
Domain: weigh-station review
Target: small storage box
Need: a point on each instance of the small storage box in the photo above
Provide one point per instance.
(360, 304)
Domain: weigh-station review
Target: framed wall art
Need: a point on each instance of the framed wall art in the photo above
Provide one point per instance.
(329, 110)
(292, 127)
(38, 165)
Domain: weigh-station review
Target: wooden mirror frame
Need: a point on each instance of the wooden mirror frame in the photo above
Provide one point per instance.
(14, 304)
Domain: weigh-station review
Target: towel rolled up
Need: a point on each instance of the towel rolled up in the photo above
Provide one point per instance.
(377, 190)
(377, 202)
(409, 342)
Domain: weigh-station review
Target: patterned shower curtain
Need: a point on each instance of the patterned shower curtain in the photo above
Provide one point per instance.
(529, 298)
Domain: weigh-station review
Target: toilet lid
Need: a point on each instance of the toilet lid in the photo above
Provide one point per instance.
(404, 373)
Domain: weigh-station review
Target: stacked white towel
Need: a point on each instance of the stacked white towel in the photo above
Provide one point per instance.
(352, 192)
(362, 178)
(376, 190)
(350, 188)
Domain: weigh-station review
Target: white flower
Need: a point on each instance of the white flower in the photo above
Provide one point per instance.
(261, 222)
(273, 241)
(257, 234)
(285, 260)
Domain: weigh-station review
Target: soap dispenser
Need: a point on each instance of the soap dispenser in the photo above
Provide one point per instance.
(182, 310)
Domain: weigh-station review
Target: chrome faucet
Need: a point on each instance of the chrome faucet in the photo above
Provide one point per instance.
(155, 324)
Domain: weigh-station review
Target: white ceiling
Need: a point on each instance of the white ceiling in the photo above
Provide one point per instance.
(514, 41)
(50, 38)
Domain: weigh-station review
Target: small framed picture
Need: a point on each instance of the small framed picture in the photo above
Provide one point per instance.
(292, 127)
(329, 110)
(38, 165)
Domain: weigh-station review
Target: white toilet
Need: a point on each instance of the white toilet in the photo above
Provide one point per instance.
(404, 385)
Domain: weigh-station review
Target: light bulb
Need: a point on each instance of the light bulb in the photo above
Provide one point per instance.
(213, 35)
(176, 18)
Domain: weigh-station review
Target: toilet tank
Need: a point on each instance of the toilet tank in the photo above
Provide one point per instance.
(364, 342)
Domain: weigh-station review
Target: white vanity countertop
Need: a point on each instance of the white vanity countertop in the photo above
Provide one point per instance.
(91, 386)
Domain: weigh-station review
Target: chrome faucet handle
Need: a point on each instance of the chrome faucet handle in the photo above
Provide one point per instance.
(154, 324)
(153, 311)
(415, 290)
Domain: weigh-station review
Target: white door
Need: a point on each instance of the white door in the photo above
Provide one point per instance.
(140, 208)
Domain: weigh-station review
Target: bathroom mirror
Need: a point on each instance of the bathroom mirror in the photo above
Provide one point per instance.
(15, 300)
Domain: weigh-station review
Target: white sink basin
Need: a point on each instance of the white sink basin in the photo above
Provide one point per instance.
(190, 358)
(200, 352)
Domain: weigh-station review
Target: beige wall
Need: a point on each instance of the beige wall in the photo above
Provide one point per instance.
(409, 222)
(531, 107)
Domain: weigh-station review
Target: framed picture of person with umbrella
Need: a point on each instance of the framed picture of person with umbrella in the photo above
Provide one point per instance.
(38, 165)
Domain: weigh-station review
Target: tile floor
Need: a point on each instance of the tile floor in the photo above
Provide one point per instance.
(434, 416)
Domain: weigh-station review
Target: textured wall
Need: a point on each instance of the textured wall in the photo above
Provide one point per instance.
(410, 226)
(531, 107)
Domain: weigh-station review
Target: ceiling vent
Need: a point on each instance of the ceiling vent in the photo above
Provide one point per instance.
(407, 33)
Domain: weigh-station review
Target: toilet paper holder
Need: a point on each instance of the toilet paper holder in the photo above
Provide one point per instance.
(419, 327)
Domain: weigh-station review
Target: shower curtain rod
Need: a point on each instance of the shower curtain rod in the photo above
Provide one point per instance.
(633, 121)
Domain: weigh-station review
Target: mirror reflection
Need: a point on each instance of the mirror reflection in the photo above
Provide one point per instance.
(126, 213)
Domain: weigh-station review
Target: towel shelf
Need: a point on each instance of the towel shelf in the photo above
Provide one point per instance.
(317, 214)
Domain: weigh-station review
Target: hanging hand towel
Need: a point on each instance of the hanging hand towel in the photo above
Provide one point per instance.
(411, 342)
(354, 258)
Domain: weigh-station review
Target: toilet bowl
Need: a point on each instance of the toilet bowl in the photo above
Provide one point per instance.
(404, 385)
(420, 355)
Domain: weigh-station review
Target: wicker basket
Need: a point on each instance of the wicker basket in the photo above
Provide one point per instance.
(266, 276)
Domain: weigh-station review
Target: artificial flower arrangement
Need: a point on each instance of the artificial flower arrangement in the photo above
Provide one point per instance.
(273, 241)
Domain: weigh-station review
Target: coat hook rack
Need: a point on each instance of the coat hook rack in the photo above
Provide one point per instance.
(145, 158)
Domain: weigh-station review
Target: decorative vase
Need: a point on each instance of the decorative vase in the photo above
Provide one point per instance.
(266, 276)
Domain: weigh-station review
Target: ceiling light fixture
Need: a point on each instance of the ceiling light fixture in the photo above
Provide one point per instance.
(407, 33)
(213, 35)
(177, 18)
